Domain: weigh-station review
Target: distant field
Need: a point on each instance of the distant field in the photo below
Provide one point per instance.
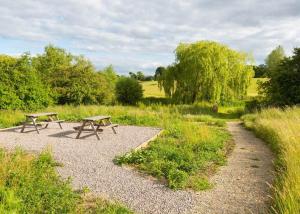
(253, 88)
(151, 88)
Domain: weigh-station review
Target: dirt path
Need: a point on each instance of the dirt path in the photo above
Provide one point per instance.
(242, 185)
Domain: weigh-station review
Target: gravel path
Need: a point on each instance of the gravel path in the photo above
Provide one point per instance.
(242, 185)
(89, 163)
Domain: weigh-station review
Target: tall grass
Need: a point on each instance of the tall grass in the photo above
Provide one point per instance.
(148, 115)
(281, 129)
(11, 118)
(30, 184)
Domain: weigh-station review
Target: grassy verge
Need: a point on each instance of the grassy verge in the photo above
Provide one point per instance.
(281, 129)
(30, 184)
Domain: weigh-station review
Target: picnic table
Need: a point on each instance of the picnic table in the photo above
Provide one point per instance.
(96, 124)
(31, 120)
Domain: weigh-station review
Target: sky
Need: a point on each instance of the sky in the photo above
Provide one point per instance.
(143, 34)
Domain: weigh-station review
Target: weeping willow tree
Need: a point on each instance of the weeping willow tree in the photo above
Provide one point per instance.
(207, 71)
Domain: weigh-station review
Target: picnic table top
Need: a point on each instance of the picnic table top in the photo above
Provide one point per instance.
(41, 114)
(95, 118)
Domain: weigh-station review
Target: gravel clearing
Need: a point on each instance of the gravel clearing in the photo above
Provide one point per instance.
(89, 163)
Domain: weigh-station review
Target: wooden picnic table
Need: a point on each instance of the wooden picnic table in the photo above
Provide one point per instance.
(31, 120)
(97, 124)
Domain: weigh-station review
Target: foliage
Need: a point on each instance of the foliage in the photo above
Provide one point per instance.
(207, 71)
(283, 87)
(260, 71)
(140, 76)
(128, 91)
(274, 59)
(31, 185)
(178, 154)
(92, 205)
(158, 72)
(10, 118)
(20, 85)
(280, 128)
(109, 85)
(73, 79)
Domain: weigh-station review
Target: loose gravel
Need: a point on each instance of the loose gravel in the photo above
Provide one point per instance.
(89, 163)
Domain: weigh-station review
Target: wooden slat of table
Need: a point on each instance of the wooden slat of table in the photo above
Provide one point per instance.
(96, 118)
(41, 114)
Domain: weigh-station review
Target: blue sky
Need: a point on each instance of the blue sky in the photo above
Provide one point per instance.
(141, 35)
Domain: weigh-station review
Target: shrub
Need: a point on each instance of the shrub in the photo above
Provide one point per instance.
(73, 79)
(128, 91)
(283, 87)
(20, 85)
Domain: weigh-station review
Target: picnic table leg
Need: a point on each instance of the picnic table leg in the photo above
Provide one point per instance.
(49, 118)
(113, 128)
(24, 125)
(98, 128)
(35, 126)
(80, 130)
(56, 116)
(95, 130)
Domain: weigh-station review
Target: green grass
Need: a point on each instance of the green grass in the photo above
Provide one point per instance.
(183, 156)
(30, 184)
(151, 88)
(253, 88)
(281, 129)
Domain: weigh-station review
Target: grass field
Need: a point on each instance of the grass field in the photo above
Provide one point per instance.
(281, 129)
(151, 88)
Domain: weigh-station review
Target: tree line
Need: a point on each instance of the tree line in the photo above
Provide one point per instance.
(56, 77)
(210, 71)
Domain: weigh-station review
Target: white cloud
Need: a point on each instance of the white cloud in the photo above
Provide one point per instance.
(136, 35)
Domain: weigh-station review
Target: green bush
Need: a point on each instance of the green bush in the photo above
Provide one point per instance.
(73, 79)
(283, 87)
(128, 91)
(20, 85)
